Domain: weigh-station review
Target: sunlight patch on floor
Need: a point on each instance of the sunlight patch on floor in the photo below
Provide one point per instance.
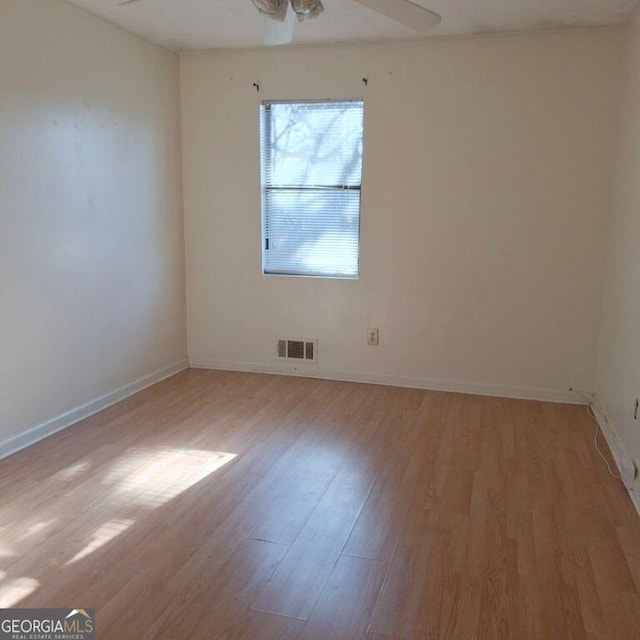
(151, 477)
(6, 551)
(103, 535)
(14, 591)
(36, 528)
(75, 470)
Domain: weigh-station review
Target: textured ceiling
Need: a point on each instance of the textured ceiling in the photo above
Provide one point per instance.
(218, 24)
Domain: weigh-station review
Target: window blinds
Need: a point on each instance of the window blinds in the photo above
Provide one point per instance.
(311, 159)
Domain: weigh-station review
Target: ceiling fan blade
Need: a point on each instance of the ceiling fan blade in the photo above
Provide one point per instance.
(405, 12)
(277, 33)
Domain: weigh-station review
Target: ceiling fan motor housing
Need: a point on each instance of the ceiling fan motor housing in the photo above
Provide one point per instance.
(307, 9)
(275, 9)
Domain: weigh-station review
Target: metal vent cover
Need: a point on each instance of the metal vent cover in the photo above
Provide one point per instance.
(299, 349)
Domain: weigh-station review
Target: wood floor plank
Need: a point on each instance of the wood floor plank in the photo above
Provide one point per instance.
(219, 598)
(299, 580)
(266, 626)
(467, 613)
(344, 609)
(397, 488)
(229, 505)
(401, 609)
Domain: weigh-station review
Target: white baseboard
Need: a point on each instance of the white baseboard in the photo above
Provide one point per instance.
(621, 457)
(66, 419)
(473, 388)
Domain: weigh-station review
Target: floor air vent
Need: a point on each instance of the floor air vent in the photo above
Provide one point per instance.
(305, 350)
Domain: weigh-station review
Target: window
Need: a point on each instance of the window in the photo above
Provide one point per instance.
(311, 159)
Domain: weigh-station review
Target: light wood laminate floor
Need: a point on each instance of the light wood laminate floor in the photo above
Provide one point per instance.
(252, 507)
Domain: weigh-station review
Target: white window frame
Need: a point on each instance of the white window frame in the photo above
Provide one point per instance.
(265, 152)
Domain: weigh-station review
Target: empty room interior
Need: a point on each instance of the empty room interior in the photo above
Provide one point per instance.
(320, 320)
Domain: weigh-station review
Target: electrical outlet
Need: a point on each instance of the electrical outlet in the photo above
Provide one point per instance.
(635, 409)
(373, 336)
(636, 471)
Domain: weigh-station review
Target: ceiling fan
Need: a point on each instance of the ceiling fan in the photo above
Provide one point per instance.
(283, 13)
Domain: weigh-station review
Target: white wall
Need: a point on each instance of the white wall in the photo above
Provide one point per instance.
(619, 362)
(91, 238)
(486, 185)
